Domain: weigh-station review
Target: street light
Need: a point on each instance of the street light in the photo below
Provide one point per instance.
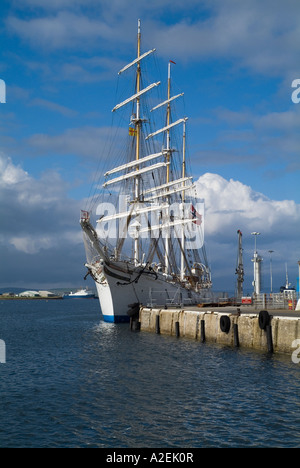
(271, 272)
(257, 267)
(255, 234)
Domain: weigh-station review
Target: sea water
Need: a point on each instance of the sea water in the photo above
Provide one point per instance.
(71, 380)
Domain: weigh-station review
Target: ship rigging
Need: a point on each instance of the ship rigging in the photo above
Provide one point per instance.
(150, 250)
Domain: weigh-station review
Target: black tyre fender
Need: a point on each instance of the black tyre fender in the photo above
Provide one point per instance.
(264, 319)
(225, 323)
(134, 309)
(133, 312)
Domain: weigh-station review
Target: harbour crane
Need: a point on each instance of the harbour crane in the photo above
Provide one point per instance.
(239, 268)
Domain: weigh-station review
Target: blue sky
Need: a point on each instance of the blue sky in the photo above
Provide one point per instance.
(235, 61)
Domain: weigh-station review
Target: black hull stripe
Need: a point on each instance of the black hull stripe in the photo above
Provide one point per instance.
(114, 275)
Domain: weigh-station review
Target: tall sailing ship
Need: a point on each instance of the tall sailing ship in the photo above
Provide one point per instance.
(151, 250)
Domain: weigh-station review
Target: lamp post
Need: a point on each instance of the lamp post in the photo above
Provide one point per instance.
(256, 264)
(299, 281)
(271, 271)
(255, 234)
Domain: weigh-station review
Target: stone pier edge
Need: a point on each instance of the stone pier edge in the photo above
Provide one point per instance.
(284, 330)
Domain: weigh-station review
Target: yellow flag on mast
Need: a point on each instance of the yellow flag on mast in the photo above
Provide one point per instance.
(132, 131)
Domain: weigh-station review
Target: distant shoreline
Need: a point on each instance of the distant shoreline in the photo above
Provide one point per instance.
(16, 298)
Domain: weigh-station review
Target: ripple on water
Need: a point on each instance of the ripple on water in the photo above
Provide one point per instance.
(72, 380)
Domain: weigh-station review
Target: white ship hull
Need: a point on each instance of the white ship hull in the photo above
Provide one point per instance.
(118, 291)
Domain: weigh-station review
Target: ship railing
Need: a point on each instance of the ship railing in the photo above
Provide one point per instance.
(275, 301)
(175, 301)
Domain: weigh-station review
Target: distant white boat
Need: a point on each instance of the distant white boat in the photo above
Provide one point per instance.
(80, 294)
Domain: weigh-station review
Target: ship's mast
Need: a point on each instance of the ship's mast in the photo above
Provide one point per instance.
(136, 168)
(168, 121)
(168, 152)
(182, 265)
(138, 88)
(167, 247)
(137, 133)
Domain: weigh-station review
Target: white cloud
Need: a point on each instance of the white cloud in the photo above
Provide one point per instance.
(83, 141)
(262, 36)
(40, 231)
(253, 138)
(9, 173)
(53, 5)
(40, 236)
(29, 245)
(286, 121)
(66, 29)
(231, 205)
(54, 107)
(35, 213)
(33, 244)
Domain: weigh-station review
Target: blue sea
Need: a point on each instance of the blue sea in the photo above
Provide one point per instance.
(71, 380)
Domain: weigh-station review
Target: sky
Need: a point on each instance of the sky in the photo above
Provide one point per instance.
(236, 62)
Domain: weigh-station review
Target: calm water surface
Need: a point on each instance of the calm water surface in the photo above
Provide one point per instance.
(71, 380)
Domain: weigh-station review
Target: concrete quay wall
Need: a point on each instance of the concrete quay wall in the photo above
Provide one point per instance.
(205, 325)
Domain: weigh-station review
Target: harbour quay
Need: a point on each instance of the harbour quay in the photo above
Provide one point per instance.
(276, 331)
